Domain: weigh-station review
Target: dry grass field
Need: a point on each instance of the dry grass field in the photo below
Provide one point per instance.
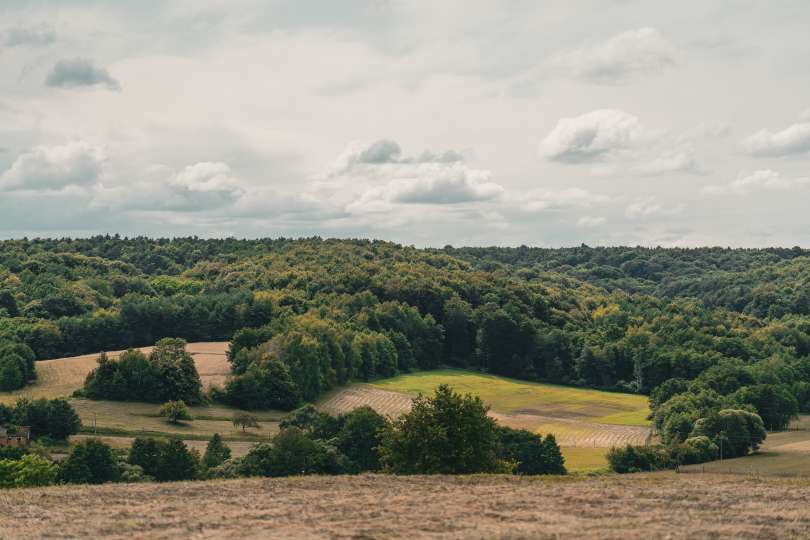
(647, 506)
(60, 377)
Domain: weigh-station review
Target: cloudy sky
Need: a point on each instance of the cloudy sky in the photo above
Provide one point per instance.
(424, 122)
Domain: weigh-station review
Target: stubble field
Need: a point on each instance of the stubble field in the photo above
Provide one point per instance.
(646, 506)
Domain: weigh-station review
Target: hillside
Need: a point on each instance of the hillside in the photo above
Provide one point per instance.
(645, 507)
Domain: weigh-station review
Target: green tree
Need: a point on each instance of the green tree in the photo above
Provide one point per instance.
(146, 453)
(175, 411)
(244, 420)
(775, 404)
(444, 434)
(177, 462)
(216, 453)
(735, 432)
(90, 462)
(531, 453)
(360, 436)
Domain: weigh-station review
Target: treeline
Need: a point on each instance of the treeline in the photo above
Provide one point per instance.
(308, 315)
(446, 433)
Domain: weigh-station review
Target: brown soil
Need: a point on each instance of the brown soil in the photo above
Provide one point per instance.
(655, 506)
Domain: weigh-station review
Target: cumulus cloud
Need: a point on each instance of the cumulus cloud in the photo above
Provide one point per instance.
(80, 72)
(760, 180)
(645, 206)
(591, 137)
(590, 221)
(669, 162)
(538, 200)
(621, 58)
(76, 163)
(27, 37)
(792, 140)
(380, 176)
(203, 185)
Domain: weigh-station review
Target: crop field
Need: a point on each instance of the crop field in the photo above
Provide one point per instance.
(589, 420)
(785, 453)
(639, 506)
(62, 376)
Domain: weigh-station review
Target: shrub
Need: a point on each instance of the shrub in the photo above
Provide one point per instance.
(28, 471)
(216, 453)
(443, 434)
(632, 459)
(531, 453)
(734, 431)
(175, 411)
(693, 450)
(244, 420)
(90, 462)
(359, 437)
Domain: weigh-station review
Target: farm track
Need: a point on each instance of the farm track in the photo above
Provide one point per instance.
(568, 431)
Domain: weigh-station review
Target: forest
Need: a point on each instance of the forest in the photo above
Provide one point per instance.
(716, 337)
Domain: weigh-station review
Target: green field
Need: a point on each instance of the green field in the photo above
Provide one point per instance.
(513, 396)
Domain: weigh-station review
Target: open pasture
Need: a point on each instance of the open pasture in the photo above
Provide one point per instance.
(62, 376)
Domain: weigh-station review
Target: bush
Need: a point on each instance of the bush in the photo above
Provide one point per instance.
(693, 450)
(443, 434)
(28, 471)
(360, 436)
(175, 411)
(531, 453)
(632, 459)
(216, 453)
(90, 462)
(292, 453)
(734, 431)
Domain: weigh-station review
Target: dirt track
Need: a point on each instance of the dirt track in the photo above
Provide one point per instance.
(618, 507)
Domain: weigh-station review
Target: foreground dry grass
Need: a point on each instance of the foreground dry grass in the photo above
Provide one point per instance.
(618, 507)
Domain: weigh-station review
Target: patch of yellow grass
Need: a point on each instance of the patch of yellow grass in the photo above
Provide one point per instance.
(506, 395)
(584, 459)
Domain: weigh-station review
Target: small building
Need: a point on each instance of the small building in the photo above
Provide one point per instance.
(20, 436)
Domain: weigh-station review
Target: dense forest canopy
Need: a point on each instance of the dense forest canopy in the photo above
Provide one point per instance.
(704, 330)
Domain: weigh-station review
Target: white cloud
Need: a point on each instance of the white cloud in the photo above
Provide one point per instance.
(27, 37)
(592, 136)
(379, 176)
(794, 139)
(644, 207)
(539, 200)
(76, 163)
(621, 58)
(760, 180)
(677, 161)
(590, 221)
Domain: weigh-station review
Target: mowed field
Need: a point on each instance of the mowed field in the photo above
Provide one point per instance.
(118, 422)
(639, 506)
(585, 422)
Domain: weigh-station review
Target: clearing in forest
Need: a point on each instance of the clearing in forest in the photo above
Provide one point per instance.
(578, 417)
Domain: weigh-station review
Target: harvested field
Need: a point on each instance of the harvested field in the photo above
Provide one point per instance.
(62, 376)
(125, 418)
(569, 429)
(649, 506)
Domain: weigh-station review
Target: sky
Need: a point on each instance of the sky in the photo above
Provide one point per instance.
(544, 123)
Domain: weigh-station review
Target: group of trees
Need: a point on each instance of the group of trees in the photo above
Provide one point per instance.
(168, 373)
(55, 419)
(16, 365)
